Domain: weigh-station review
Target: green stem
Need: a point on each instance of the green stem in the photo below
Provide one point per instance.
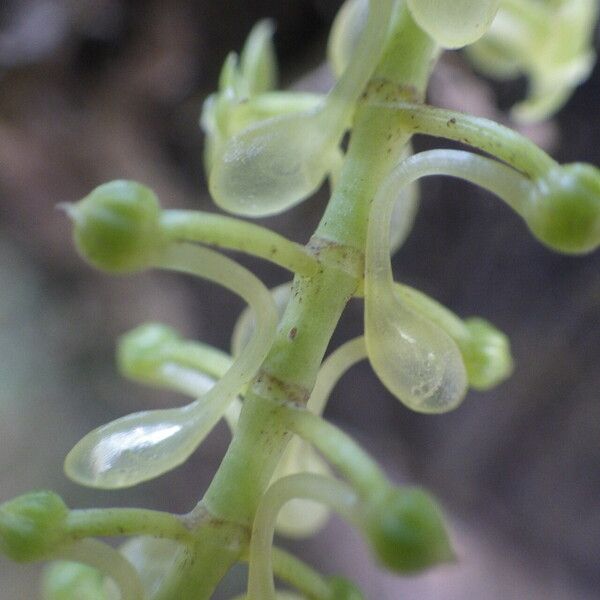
(288, 374)
(295, 572)
(125, 522)
(200, 357)
(199, 567)
(378, 137)
(510, 185)
(228, 232)
(315, 306)
(497, 140)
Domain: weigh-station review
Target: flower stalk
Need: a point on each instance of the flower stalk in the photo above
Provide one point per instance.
(266, 151)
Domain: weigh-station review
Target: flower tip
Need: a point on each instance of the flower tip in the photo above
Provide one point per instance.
(70, 209)
(487, 355)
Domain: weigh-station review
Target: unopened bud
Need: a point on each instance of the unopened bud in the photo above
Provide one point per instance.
(32, 526)
(564, 212)
(407, 531)
(116, 227)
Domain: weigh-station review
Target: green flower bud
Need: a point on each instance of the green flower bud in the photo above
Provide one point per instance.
(564, 210)
(258, 64)
(141, 351)
(32, 526)
(407, 531)
(117, 226)
(69, 581)
(486, 353)
(342, 589)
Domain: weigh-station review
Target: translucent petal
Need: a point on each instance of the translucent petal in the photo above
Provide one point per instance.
(277, 163)
(73, 581)
(485, 350)
(345, 33)
(415, 359)
(269, 105)
(246, 323)
(152, 559)
(141, 446)
(454, 23)
(403, 216)
(298, 517)
(258, 64)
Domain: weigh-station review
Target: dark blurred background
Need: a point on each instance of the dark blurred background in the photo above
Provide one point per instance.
(93, 90)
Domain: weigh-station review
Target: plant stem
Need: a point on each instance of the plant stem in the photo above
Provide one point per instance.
(317, 302)
(228, 232)
(125, 521)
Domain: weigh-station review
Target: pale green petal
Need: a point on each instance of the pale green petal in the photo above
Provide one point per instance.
(301, 518)
(152, 558)
(454, 23)
(345, 33)
(141, 446)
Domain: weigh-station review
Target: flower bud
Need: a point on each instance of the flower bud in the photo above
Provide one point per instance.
(486, 354)
(141, 351)
(32, 526)
(116, 227)
(407, 532)
(564, 210)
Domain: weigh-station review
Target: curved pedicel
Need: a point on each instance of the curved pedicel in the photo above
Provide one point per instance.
(324, 490)
(277, 163)
(246, 324)
(108, 561)
(403, 526)
(143, 445)
(416, 360)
